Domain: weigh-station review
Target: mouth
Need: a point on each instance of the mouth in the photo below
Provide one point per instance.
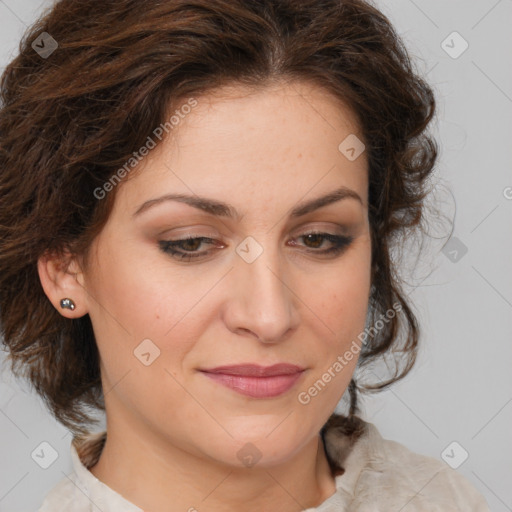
(256, 381)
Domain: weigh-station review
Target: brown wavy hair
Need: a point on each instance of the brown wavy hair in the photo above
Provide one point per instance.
(70, 120)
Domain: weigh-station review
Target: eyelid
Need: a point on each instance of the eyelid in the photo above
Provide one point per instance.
(189, 232)
(198, 231)
(322, 226)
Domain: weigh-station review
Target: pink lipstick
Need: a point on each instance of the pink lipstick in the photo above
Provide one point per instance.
(256, 381)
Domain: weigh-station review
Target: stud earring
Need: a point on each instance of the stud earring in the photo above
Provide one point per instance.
(67, 304)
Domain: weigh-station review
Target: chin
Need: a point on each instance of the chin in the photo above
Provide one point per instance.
(259, 443)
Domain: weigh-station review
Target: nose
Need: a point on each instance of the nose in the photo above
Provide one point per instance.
(261, 300)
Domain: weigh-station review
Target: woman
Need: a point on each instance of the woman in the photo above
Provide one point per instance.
(198, 204)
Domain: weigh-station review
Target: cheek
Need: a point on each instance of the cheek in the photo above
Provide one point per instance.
(136, 293)
(343, 300)
(146, 320)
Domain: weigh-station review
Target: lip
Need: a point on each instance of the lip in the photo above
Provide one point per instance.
(255, 370)
(256, 381)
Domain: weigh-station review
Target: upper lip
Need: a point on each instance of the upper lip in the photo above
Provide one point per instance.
(255, 370)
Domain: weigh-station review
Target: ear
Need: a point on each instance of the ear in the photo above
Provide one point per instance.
(62, 277)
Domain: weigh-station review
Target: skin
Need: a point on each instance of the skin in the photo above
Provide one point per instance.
(174, 434)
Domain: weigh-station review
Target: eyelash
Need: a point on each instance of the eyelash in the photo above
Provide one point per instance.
(168, 246)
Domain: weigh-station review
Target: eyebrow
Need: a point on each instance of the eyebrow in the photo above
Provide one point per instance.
(220, 209)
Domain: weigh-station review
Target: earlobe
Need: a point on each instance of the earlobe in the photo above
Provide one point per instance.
(62, 281)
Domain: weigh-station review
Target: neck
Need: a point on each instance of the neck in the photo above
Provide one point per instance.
(154, 474)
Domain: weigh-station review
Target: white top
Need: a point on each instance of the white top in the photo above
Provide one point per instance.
(380, 475)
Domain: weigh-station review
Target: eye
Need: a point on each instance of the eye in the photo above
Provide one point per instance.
(186, 249)
(316, 240)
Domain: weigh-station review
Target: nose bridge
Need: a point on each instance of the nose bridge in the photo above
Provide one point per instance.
(264, 302)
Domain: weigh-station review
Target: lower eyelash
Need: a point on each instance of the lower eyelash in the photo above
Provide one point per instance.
(340, 243)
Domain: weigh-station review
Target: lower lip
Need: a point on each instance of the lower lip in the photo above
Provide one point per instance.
(257, 387)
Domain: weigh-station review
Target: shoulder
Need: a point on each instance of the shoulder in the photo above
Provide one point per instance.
(389, 476)
(66, 496)
(81, 491)
(71, 494)
(422, 482)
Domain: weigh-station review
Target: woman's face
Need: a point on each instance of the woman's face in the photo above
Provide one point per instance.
(250, 288)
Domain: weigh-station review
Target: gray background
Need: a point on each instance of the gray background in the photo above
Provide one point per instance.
(460, 389)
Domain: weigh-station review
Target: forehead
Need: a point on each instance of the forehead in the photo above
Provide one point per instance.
(264, 112)
(279, 141)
